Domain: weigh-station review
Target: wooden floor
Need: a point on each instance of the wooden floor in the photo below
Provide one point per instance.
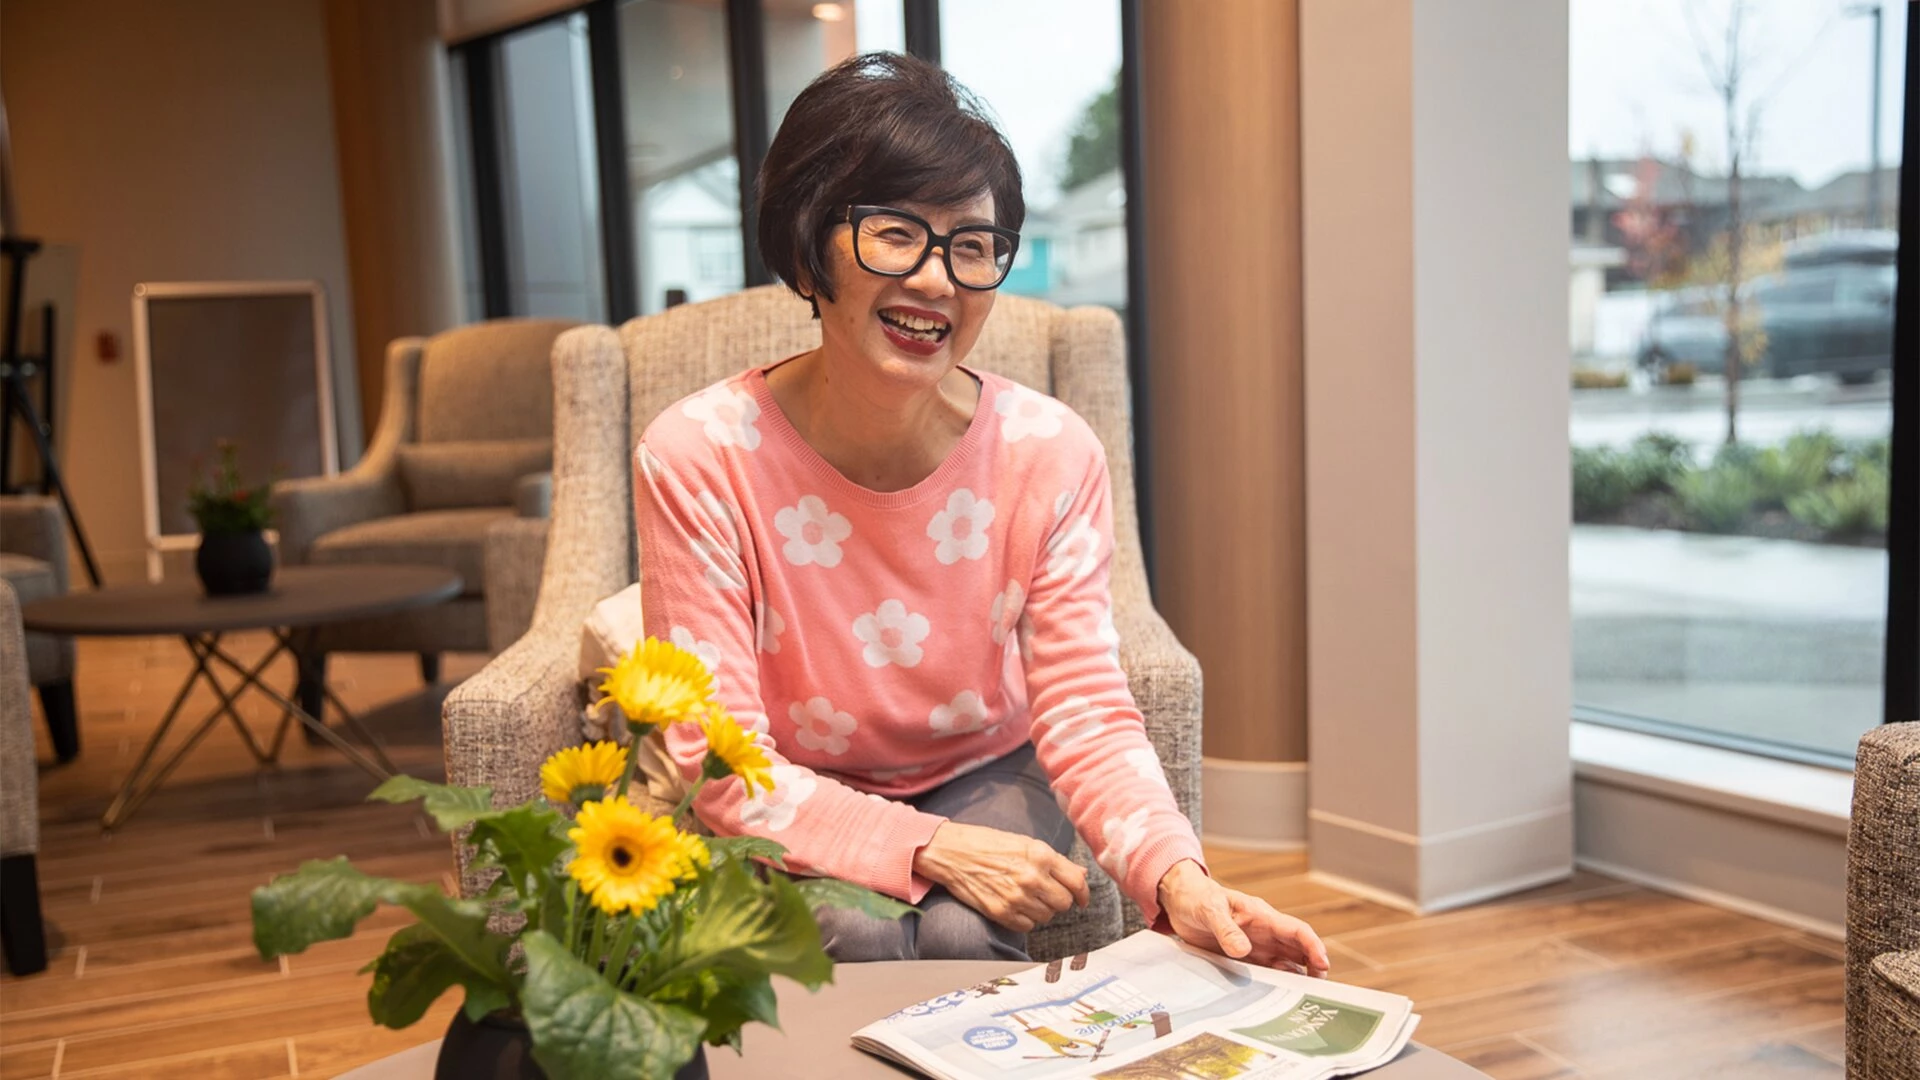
(155, 977)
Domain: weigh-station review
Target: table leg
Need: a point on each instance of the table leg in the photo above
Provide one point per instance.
(123, 802)
(380, 767)
(206, 646)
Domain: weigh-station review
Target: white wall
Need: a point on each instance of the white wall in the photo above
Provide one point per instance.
(1437, 487)
(179, 141)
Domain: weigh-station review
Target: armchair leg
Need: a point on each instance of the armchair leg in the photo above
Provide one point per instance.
(430, 668)
(310, 690)
(23, 937)
(63, 721)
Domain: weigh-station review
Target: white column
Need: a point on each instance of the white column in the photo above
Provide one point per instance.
(1434, 181)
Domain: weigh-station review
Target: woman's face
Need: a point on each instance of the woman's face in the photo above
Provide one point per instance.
(882, 322)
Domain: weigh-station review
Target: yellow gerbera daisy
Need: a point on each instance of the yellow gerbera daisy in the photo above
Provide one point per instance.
(627, 860)
(732, 752)
(693, 851)
(658, 683)
(582, 774)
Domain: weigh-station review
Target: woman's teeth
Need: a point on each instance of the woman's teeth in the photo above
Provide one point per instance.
(915, 327)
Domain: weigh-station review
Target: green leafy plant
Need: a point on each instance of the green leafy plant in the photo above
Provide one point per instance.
(1602, 482)
(1718, 499)
(639, 940)
(1856, 505)
(1799, 467)
(1656, 461)
(224, 502)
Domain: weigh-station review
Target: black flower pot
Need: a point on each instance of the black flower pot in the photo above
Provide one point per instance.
(499, 1047)
(234, 563)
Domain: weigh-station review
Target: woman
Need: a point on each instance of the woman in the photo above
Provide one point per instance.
(897, 566)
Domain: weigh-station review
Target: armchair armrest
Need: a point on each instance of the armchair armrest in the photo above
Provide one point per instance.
(35, 526)
(515, 553)
(308, 508)
(1883, 871)
(501, 724)
(533, 495)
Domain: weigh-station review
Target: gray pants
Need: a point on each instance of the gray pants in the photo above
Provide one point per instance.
(1011, 795)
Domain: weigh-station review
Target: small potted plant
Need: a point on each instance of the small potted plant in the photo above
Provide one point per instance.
(612, 946)
(234, 558)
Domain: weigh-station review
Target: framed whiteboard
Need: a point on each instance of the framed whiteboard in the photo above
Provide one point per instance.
(245, 361)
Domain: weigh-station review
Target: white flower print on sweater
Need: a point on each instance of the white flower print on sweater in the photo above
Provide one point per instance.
(965, 715)
(1073, 550)
(819, 726)
(960, 530)
(707, 651)
(892, 635)
(774, 810)
(1026, 414)
(719, 550)
(813, 532)
(1123, 837)
(726, 416)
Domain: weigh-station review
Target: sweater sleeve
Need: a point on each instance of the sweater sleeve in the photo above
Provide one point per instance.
(696, 591)
(1087, 731)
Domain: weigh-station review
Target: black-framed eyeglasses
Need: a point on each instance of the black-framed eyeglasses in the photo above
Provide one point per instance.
(894, 243)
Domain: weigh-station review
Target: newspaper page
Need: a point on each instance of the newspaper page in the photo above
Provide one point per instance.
(1146, 1008)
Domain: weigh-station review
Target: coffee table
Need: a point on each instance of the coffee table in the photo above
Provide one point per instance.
(300, 599)
(816, 1043)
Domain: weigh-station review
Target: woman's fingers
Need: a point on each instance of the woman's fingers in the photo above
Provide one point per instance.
(1217, 915)
(1279, 937)
(1074, 876)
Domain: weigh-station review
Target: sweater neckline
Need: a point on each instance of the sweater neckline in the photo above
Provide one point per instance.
(935, 483)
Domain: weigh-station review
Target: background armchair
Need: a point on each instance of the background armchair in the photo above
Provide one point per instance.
(526, 704)
(33, 560)
(1883, 907)
(466, 429)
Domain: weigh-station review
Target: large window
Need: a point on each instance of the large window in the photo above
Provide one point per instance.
(1734, 189)
(550, 190)
(684, 175)
(1060, 108)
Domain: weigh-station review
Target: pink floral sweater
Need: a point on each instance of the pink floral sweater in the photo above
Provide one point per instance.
(882, 644)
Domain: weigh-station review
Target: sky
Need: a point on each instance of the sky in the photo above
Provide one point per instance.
(1636, 81)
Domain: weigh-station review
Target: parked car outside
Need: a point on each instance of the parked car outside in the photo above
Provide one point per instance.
(1823, 316)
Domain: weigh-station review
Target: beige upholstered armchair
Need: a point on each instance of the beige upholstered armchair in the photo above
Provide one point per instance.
(33, 559)
(464, 444)
(609, 385)
(1883, 907)
(21, 932)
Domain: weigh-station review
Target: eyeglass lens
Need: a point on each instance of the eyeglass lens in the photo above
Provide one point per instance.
(894, 245)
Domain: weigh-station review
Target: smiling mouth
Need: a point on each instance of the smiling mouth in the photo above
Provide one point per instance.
(915, 326)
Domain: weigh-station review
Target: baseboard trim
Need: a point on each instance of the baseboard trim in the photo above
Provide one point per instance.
(1263, 803)
(1446, 870)
(1740, 904)
(1751, 863)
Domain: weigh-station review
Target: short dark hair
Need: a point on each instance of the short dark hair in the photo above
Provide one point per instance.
(878, 128)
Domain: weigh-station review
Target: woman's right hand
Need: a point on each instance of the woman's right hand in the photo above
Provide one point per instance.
(1016, 881)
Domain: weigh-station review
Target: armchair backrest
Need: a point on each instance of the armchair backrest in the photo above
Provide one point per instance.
(487, 382)
(1078, 355)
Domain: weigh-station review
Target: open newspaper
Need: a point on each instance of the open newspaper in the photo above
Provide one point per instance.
(1146, 1008)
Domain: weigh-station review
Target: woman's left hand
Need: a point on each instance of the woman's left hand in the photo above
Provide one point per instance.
(1211, 916)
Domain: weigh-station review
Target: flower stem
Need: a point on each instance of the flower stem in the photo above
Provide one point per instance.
(622, 945)
(573, 918)
(599, 937)
(686, 801)
(633, 759)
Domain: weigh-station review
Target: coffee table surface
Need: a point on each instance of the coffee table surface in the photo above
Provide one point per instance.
(299, 596)
(817, 1041)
